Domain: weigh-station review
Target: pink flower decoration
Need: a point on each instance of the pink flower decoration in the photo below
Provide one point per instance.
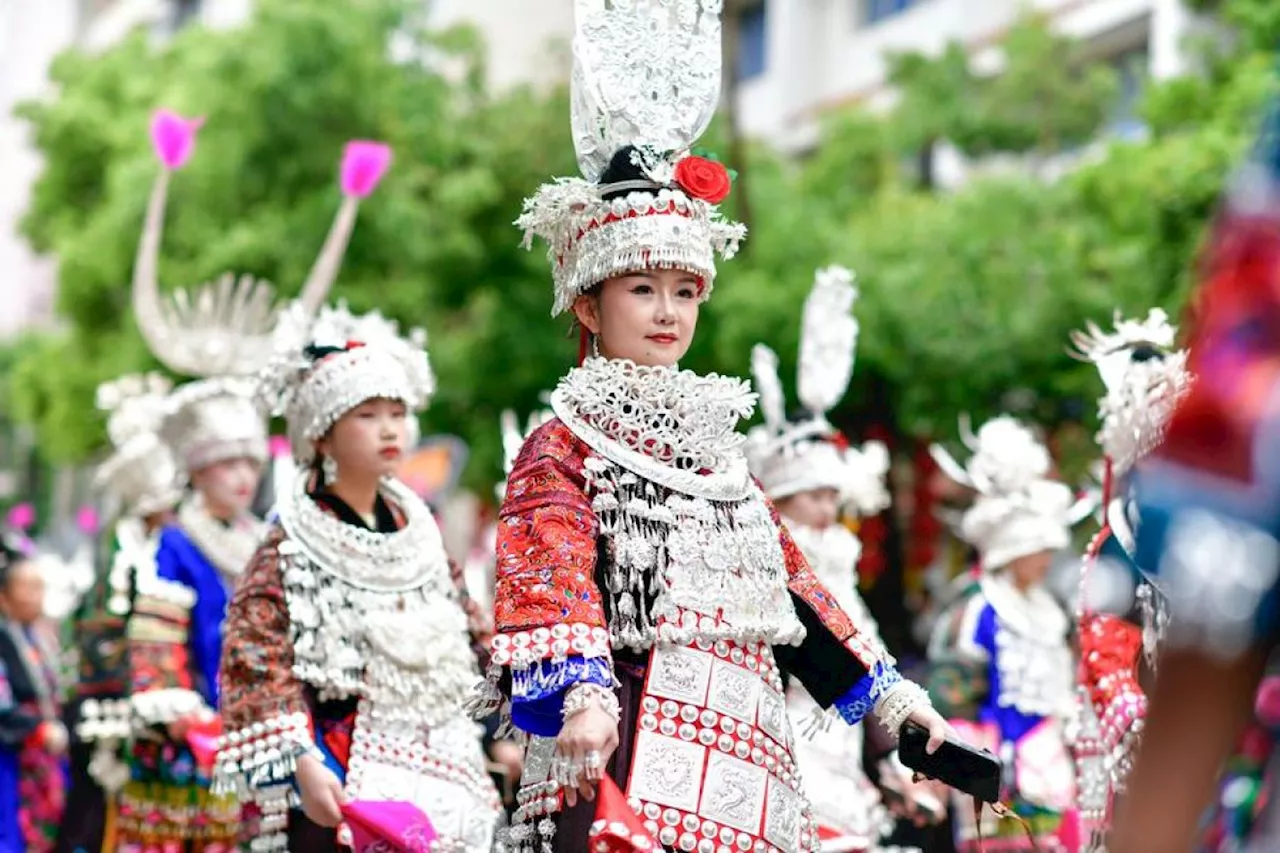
(363, 165)
(87, 520)
(278, 446)
(22, 516)
(173, 137)
(1267, 702)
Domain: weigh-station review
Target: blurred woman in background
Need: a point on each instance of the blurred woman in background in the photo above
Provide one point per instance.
(33, 739)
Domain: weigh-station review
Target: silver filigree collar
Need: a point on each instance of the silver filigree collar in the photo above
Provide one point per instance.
(411, 557)
(672, 426)
(229, 547)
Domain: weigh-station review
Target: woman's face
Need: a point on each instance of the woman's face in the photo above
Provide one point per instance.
(816, 508)
(22, 598)
(228, 486)
(647, 316)
(368, 442)
(1030, 570)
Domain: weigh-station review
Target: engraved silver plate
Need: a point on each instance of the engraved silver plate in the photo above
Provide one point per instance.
(681, 674)
(782, 817)
(666, 771)
(734, 793)
(773, 716)
(537, 760)
(734, 691)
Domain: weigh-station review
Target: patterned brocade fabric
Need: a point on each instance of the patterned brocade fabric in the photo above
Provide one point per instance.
(257, 678)
(549, 605)
(158, 654)
(547, 539)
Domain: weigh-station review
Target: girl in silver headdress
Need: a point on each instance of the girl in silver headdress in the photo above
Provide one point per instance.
(349, 656)
(218, 437)
(648, 599)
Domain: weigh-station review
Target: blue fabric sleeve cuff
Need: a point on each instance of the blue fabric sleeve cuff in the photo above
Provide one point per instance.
(862, 697)
(537, 691)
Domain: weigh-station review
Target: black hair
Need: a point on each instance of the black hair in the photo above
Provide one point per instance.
(317, 352)
(10, 557)
(1146, 352)
(622, 167)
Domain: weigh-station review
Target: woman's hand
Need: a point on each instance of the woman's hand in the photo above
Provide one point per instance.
(585, 744)
(54, 737)
(508, 754)
(322, 794)
(917, 801)
(939, 729)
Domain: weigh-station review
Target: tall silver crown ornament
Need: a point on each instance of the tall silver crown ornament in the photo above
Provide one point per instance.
(1017, 510)
(646, 79)
(1144, 377)
(373, 615)
(220, 334)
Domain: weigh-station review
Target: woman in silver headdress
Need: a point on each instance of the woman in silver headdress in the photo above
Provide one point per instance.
(808, 469)
(139, 485)
(1013, 636)
(33, 740)
(648, 598)
(1121, 613)
(349, 654)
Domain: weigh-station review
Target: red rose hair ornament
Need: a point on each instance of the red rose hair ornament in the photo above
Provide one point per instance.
(704, 179)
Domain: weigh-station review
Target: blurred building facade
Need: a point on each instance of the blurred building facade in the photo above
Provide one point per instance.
(799, 60)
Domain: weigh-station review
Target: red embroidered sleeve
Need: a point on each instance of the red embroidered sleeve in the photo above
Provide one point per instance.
(862, 641)
(265, 717)
(546, 603)
(256, 676)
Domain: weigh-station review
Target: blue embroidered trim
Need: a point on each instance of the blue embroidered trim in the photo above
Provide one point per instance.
(863, 696)
(537, 692)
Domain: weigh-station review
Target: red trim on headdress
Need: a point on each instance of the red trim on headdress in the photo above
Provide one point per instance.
(669, 210)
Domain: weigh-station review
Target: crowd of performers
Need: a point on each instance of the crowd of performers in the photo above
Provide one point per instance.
(665, 647)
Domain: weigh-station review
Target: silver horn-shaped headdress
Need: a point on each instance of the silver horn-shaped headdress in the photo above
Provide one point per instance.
(790, 457)
(645, 85)
(224, 328)
(223, 332)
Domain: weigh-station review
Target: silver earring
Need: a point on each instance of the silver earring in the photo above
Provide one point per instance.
(329, 467)
(595, 346)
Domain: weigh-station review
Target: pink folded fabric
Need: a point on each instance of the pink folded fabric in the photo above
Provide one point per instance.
(388, 825)
(202, 738)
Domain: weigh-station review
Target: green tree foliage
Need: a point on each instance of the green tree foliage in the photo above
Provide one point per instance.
(434, 245)
(967, 297)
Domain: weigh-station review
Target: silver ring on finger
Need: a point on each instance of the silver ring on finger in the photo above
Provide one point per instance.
(592, 760)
